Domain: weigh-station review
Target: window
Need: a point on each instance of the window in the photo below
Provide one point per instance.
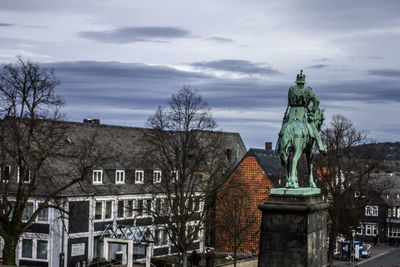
(43, 215)
(6, 173)
(174, 176)
(108, 211)
(28, 211)
(120, 209)
(164, 240)
(139, 177)
(97, 176)
(165, 206)
(158, 205)
(357, 194)
(148, 206)
(196, 203)
(41, 249)
(97, 247)
(98, 210)
(157, 177)
(158, 237)
(119, 177)
(139, 207)
(26, 176)
(103, 210)
(371, 230)
(34, 249)
(129, 208)
(394, 231)
(371, 211)
(27, 247)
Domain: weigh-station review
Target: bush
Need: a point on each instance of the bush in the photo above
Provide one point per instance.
(100, 262)
(160, 262)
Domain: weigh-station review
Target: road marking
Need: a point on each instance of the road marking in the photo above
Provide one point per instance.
(374, 257)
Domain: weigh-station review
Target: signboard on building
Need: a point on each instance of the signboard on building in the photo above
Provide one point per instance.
(77, 249)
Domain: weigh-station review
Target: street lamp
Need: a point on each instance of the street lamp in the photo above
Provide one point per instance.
(353, 233)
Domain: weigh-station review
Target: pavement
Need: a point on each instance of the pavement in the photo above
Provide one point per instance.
(376, 252)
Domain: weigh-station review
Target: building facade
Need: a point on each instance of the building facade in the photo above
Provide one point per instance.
(381, 219)
(109, 215)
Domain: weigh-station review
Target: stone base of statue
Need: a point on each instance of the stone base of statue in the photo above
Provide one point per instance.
(293, 229)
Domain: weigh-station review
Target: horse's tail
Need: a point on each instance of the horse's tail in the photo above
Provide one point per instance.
(284, 142)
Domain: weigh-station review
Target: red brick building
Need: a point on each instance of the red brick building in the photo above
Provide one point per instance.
(237, 216)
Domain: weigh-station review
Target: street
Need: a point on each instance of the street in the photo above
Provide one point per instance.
(390, 259)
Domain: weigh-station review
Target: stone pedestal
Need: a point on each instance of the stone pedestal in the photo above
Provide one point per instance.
(293, 229)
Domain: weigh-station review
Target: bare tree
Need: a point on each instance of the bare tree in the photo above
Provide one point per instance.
(35, 150)
(190, 154)
(237, 216)
(346, 171)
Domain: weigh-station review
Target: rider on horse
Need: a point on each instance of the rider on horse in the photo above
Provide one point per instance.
(299, 98)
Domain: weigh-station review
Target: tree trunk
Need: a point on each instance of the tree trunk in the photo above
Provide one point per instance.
(9, 250)
(184, 259)
(332, 244)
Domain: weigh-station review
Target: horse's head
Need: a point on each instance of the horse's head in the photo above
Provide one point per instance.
(319, 117)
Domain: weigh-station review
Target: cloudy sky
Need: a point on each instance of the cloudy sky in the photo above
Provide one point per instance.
(119, 60)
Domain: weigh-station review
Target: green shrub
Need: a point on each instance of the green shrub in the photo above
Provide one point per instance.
(100, 262)
(160, 262)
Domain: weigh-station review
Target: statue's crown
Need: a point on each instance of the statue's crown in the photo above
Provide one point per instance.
(301, 78)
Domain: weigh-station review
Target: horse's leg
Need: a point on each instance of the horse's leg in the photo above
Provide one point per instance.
(296, 156)
(286, 167)
(310, 155)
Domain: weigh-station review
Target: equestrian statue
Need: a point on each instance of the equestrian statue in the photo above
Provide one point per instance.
(300, 131)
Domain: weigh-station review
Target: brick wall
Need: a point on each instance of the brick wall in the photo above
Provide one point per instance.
(255, 188)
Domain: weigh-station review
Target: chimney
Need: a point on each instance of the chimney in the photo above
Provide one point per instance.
(268, 145)
(91, 121)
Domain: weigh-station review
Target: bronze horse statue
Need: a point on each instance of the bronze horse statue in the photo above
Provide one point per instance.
(294, 140)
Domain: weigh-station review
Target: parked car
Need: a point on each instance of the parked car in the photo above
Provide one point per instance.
(366, 250)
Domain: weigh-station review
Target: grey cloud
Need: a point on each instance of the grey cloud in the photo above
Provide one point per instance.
(139, 85)
(6, 24)
(220, 39)
(319, 66)
(135, 34)
(391, 73)
(237, 66)
(111, 90)
(342, 16)
(111, 83)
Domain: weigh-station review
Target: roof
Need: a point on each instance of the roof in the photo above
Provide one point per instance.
(270, 163)
(126, 143)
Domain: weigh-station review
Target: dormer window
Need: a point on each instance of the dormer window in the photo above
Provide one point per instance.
(97, 176)
(120, 177)
(174, 176)
(371, 211)
(157, 176)
(139, 177)
(6, 173)
(26, 178)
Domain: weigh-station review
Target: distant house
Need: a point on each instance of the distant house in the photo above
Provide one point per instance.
(109, 212)
(247, 186)
(381, 216)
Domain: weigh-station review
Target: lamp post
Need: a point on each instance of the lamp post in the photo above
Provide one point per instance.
(353, 233)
